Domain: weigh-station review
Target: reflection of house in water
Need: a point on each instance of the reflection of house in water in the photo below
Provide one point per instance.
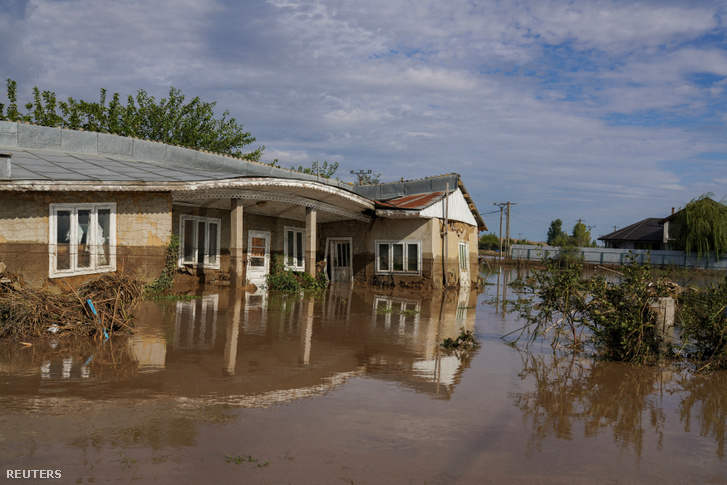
(259, 349)
(195, 324)
(423, 323)
(65, 368)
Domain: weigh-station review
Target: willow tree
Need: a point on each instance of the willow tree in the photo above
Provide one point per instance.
(701, 226)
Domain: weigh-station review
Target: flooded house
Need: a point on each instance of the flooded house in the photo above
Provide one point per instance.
(76, 203)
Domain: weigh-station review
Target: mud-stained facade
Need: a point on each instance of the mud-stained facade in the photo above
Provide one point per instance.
(143, 229)
(76, 204)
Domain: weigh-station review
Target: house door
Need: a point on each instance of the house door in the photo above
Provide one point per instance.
(340, 261)
(258, 257)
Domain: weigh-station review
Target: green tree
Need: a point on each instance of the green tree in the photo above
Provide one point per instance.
(325, 170)
(581, 235)
(489, 242)
(701, 226)
(555, 232)
(168, 120)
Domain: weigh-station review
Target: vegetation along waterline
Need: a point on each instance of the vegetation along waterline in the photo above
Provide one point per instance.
(622, 320)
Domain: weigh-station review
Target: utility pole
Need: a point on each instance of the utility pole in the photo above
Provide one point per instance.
(507, 236)
(502, 205)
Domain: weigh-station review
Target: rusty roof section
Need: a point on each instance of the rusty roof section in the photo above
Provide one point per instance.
(411, 202)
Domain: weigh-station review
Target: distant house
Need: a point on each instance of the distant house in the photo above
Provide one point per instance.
(75, 203)
(645, 234)
(670, 226)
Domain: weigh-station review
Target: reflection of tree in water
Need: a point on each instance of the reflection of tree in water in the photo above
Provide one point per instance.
(573, 393)
(706, 396)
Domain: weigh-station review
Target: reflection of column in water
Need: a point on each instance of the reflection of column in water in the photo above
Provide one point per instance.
(505, 278)
(234, 309)
(306, 335)
(497, 298)
(45, 370)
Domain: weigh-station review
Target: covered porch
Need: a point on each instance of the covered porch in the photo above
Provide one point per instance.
(261, 216)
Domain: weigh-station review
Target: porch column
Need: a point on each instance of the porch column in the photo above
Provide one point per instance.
(311, 241)
(236, 253)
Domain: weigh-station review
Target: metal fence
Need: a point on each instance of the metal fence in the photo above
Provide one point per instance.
(609, 256)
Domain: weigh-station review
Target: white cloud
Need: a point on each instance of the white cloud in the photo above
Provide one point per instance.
(512, 95)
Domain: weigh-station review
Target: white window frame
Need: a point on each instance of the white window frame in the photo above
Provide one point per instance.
(94, 266)
(391, 244)
(464, 259)
(287, 250)
(206, 257)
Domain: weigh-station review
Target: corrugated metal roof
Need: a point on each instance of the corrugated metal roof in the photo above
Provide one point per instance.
(53, 155)
(411, 202)
(54, 166)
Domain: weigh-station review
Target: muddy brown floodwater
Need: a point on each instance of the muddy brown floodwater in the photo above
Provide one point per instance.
(350, 388)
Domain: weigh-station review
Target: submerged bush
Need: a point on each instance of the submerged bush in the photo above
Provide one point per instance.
(616, 318)
(281, 279)
(703, 316)
(622, 318)
(555, 302)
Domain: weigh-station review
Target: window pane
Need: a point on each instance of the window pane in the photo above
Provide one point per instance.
(83, 238)
(290, 255)
(398, 257)
(412, 258)
(201, 246)
(299, 248)
(63, 240)
(345, 254)
(213, 249)
(188, 243)
(383, 257)
(103, 234)
(258, 247)
(463, 259)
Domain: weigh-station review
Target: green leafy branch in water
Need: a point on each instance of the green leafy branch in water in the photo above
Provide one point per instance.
(242, 459)
(465, 341)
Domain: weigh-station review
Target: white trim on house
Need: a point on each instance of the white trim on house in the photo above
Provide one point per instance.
(294, 257)
(88, 247)
(397, 261)
(189, 254)
(257, 274)
(327, 256)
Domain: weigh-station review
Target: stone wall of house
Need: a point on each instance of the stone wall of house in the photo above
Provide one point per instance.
(143, 228)
(415, 229)
(251, 222)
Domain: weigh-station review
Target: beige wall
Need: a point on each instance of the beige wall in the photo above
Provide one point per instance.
(143, 227)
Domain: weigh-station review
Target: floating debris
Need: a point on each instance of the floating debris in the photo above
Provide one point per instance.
(98, 307)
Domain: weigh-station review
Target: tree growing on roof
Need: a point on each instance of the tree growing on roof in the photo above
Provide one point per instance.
(324, 169)
(701, 226)
(168, 120)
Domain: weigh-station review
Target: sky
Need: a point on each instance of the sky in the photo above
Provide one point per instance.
(603, 111)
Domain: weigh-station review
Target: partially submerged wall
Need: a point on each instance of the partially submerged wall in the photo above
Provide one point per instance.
(143, 228)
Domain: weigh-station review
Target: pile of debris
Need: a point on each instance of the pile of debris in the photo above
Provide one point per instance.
(100, 307)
